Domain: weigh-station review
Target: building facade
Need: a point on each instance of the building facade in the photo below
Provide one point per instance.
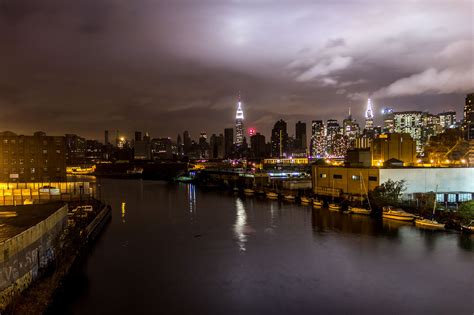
(410, 122)
(32, 158)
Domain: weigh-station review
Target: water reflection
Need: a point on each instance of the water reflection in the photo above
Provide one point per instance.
(124, 205)
(240, 224)
(191, 192)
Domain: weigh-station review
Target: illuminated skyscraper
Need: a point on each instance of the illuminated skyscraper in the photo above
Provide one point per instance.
(239, 124)
(369, 116)
(318, 140)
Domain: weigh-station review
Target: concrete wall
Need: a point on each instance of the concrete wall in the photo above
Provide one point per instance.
(426, 179)
(24, 255)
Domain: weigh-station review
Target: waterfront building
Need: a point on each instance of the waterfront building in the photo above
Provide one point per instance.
(410, 122)
(453, 185)
(32, 158)
(142, 150)
(279, 139)
(468, 121)
(94, 150)
(318, 139)
(239, 124)
(399, 146)
(75, 149)
(300, 139)
(161, 148)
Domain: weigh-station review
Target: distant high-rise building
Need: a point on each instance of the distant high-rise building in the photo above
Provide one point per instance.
(279, 139)
(217, 146)
(138, 136)
(239, 124)
(106, 137)
(468, 121)
(161, 148)
(350, 128)
(388, 123)
(318, 140)
(186, 143)
(369, 116)
(228, 141)
(447, 119)
(75, 149)
(410, 122)
(258, 145)
(179, 144)
(300, 140)
(332, 130)
(146, 137)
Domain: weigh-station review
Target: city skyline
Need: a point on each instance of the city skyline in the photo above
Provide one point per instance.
(115, 71)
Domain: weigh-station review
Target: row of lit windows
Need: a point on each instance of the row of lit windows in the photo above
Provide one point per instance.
(31, 152)
(354, 177)
(21, 170)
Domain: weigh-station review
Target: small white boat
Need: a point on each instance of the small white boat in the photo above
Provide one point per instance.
(249, 191)
(357, 210)
(334, 207)
(317, 203)
(400, 215)
(272, 195)
(289, 198)
(305, 200)
(429, 224)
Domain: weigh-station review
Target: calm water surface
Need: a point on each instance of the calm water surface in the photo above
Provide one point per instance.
(171, 248)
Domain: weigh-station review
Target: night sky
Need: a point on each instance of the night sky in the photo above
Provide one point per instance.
(166, 66)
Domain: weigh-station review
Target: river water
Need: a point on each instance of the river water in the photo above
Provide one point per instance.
(172, 249)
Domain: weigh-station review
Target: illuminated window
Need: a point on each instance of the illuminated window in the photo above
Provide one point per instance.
(355, 177)
(32, 170)
(451, 198)
(322, 175)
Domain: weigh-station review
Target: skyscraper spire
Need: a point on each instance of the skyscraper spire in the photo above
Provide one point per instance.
(239, 123)
(369, 113)
(369, 116)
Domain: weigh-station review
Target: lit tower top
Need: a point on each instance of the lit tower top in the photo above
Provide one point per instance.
(239, 124)
(369, 116)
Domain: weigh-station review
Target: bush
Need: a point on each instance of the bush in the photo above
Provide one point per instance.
(466, 211)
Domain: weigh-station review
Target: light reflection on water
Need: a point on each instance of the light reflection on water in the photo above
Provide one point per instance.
(240, 225)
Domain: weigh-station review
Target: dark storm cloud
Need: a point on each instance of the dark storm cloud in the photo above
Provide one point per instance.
(166, 66)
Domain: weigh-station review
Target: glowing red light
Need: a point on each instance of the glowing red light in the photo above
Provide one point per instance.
(252, 131)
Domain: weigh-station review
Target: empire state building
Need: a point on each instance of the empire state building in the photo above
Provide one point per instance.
(239, 124)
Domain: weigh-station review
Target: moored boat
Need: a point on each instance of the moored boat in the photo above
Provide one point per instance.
(289, 198)
(429, 224)
(272, 195)
(468, 228)
(249, 191)
(305, 200)
(400, 215)
(334, 207)
(317, 203)
(358, 210)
